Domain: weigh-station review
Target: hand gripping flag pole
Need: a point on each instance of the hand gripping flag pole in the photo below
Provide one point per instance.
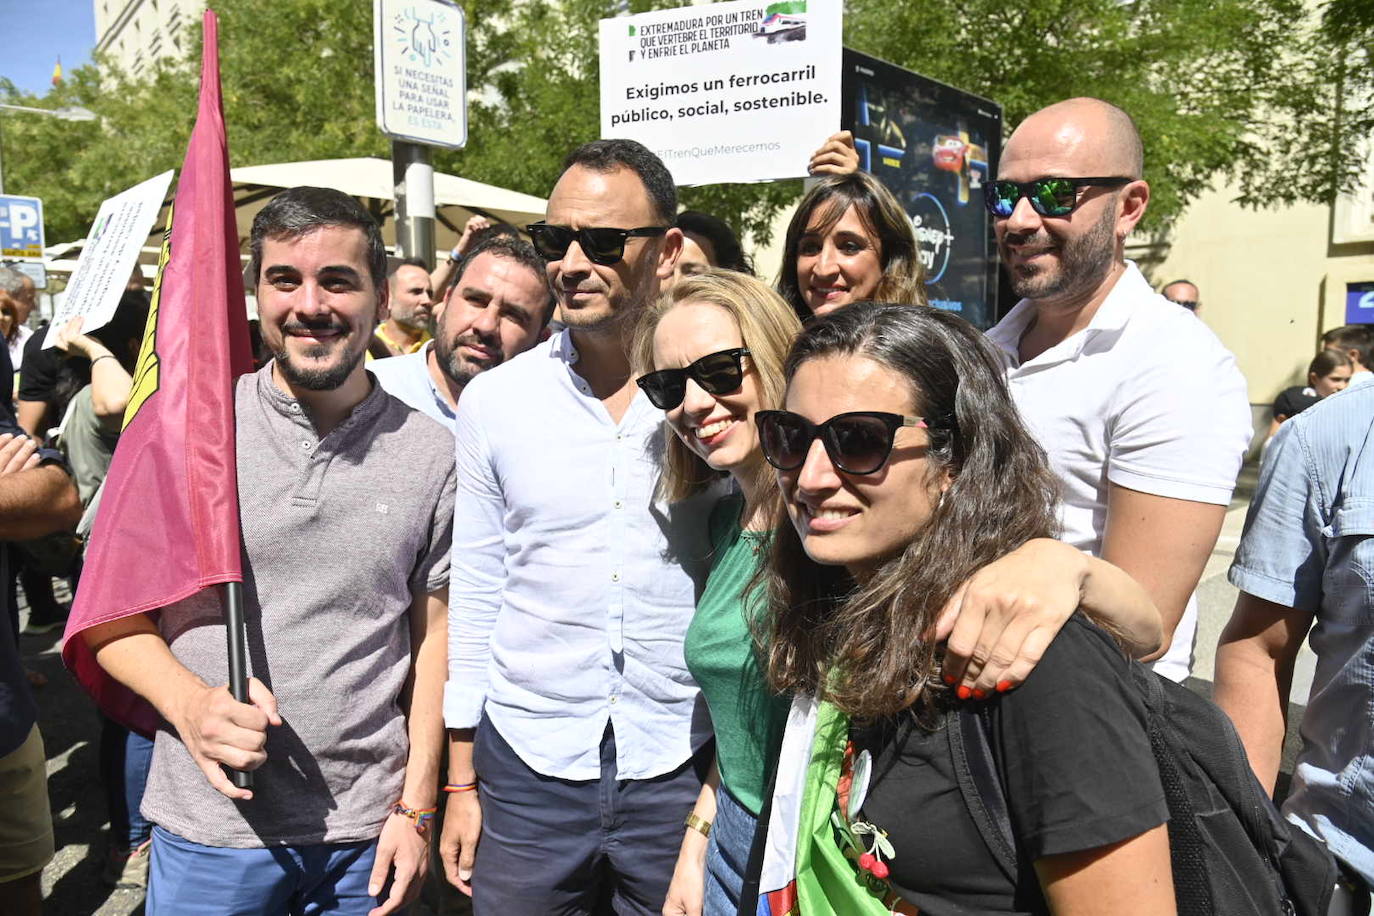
(168, 524)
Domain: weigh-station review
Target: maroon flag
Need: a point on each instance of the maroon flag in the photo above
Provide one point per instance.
(168, 523)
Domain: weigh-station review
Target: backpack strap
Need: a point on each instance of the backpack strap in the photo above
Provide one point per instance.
(1188, 853)
(981, 785)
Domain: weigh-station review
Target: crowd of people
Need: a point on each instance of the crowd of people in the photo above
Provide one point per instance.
(551, 553)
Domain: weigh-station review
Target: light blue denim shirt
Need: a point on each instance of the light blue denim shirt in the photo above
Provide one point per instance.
(407, 379)
(1309, 545)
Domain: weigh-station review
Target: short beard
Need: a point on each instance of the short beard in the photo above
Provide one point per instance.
(410, 324)
(454, 366)
(326, 379)
(1083, 262)
(625, 313)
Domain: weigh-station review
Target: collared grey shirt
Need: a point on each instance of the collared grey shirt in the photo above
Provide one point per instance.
(340, 534)
(407, 377)
(1309, 544)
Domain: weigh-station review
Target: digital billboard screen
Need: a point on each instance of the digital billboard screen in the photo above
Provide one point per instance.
(934, 147)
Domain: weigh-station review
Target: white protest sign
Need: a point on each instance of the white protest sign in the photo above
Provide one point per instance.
(419, 49)
(119, 232)
(724, 92)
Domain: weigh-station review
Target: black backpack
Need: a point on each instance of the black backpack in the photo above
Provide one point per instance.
(1232, 852)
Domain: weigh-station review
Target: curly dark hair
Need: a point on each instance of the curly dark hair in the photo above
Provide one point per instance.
(859, 645)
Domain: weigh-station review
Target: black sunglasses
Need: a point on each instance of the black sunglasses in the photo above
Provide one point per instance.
(1048, 196)
(858, 442)
(716, 373)
(601, 246)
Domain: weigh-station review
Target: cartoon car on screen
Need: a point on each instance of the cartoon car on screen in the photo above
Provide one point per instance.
(957, 154)
(948, 153)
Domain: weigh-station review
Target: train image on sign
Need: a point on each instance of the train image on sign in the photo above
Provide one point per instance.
(782, 27)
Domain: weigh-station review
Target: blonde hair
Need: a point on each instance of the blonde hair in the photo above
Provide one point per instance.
(767, 325)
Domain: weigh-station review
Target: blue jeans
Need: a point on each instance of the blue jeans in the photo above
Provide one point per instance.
(727, 855)
(124, 760)
(188, 879)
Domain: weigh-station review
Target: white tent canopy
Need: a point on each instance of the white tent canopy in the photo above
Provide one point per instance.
(371, 179)
(368, 179)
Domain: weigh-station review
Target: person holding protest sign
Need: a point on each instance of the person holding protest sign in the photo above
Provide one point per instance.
(710, 354)
(849, 240)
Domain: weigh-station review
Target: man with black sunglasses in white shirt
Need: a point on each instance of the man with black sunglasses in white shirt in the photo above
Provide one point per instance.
(578, 739)
(1142, 411)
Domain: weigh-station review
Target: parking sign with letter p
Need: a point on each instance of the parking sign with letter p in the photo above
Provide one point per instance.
(21, 227)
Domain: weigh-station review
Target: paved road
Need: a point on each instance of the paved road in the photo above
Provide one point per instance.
(71, 884)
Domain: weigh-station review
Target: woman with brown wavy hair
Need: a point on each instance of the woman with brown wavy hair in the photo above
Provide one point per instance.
(905, 469)
(850, 240)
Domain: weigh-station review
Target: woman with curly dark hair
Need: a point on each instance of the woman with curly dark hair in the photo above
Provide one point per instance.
(904, 470)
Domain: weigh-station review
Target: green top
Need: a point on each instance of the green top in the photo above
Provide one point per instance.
(748, 718)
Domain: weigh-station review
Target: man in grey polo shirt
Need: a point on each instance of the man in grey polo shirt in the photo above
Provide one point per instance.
(345, 586)
(497, 307)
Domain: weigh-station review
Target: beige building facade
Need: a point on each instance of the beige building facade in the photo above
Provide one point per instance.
(135, 34)
(1271, 281)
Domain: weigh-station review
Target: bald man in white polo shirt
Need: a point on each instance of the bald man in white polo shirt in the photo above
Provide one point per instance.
(1141, 409)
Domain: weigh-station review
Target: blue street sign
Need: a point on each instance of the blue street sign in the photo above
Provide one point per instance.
(21, 227)
(1359, 303)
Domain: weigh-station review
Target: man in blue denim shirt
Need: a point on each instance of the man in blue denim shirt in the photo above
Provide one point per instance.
(1307, 557)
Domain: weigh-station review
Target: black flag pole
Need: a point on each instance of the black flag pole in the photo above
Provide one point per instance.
(238, 662)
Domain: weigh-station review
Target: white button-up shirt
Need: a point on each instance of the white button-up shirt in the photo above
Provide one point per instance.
(407, 378)
(1145, 397)
(572, 583)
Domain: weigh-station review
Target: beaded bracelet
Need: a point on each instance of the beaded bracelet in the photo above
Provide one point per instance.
(420, 817)
(453, 787)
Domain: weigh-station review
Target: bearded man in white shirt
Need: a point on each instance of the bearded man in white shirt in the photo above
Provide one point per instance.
(1142, 411)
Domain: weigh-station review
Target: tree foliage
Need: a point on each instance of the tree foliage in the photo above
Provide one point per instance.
(1218, 87)
(1315, 142)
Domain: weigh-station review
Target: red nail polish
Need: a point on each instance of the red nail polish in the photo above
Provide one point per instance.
(1003, 686)
(950, 679)
(963, 692)
(979, 694)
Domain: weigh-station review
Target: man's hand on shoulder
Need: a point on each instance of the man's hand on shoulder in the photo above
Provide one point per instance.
(217, 729)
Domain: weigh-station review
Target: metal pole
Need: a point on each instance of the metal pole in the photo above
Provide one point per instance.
(238, 661)
(413, 174)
